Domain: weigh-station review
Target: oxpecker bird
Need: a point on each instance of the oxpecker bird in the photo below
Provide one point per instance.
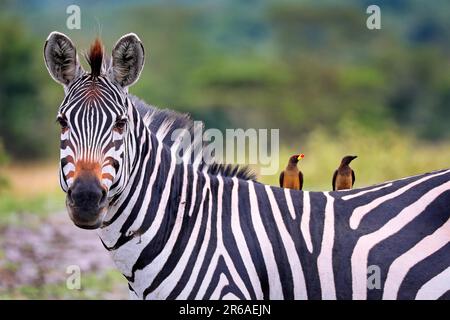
(291, 177)
(344, 176)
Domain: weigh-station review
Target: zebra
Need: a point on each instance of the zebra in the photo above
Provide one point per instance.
(191, 230)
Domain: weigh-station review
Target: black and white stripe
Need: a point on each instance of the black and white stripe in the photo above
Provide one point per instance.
(185, 233)
(186, 230)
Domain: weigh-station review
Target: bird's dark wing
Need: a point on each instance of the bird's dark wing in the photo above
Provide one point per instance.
(353, 178)
(333, 183)
(281, 179)
(300, 177)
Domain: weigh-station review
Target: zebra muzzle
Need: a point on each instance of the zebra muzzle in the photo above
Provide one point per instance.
(86, 202)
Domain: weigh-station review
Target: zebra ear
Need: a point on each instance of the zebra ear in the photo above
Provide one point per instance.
(61, 58)
(127, 60)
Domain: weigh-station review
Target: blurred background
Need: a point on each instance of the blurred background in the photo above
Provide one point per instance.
(310, 68)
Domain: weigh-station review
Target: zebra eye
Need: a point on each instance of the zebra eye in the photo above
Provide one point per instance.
(120, 125)
(62, 122)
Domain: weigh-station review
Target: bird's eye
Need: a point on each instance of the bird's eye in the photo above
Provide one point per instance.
(120, 125)
(62, 122)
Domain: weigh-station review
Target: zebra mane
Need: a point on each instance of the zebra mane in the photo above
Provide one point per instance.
(169, 121)
(230, 170)
(95, 58)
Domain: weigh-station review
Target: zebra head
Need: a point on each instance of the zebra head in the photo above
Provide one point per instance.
(96, 120)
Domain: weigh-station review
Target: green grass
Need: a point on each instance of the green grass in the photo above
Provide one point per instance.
(12, 206)
(110, 284)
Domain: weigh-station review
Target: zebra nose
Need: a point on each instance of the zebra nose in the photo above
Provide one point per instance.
(86, 195)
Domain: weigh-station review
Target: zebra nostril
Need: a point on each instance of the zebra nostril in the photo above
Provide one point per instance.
(69, 196)
(103, 198)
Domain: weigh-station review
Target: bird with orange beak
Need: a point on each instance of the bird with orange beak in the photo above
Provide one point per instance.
(292, 177)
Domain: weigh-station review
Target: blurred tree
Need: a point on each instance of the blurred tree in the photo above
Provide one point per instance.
(3, 161)
(299, 66)
(24, 115)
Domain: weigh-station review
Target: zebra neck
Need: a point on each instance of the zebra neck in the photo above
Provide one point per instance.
(159, 193)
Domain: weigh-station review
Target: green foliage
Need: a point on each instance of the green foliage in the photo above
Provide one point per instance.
(299, 66)
(3, 156)
(3, 161)
(25, 126)
(104, 285)
(12, 206)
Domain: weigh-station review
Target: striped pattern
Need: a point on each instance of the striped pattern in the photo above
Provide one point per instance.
(178, 230)
(244, 242)
(93, 106)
